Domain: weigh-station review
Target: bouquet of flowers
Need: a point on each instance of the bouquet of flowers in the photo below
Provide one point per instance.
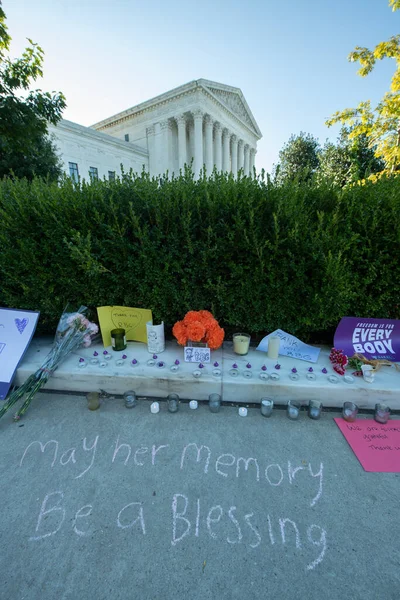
(199, 326)
(339, 361)
(73, 330)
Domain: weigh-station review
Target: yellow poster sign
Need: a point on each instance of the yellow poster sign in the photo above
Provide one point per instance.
(133, 320)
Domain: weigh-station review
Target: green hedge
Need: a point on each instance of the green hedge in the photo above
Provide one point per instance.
(258, 256)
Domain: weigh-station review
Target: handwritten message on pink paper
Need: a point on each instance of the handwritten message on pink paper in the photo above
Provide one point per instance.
(376, 446)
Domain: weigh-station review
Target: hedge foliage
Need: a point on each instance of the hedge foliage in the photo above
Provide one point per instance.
(257, 255)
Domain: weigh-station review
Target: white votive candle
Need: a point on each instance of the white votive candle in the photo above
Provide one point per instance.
(243, 411)
(193, 404)
(154, 408)
(273, 347)
(241, 343)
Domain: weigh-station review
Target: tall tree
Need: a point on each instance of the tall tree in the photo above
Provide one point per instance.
(348, 160)
(380, 125)
(25, 147)
(298, 158)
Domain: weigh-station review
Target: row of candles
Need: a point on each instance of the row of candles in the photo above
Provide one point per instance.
(293, 407)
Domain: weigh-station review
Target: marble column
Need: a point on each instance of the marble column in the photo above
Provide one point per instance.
(166, 142)
(226, 158)
(240, 155)
(208, 142)
(218, 147)
(182, 154)
(151, 148)
(252, 161)
(198, 141)
(246, 159)
(234, 154)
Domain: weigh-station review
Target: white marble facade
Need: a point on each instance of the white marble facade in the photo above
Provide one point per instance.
(203, 123)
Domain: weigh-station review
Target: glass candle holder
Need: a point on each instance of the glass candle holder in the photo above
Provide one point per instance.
(130, 399)
(293, 409)
(193, 404)
(118, 339)
(241, 343)
(267, 404)
(173, 403)
(242, 411)
(350, 411)
(273, 347)
(382, 413)
(154, 408)
(314, 409)
(93, 400)
(214, 402)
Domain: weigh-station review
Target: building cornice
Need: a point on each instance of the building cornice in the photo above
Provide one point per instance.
(89, 133)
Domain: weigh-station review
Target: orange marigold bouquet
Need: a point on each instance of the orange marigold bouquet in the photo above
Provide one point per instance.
(199, 326)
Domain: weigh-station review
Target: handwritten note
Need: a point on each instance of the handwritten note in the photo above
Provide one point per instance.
(133, 320)
(376, 446)
(16, 330)
(291, 346)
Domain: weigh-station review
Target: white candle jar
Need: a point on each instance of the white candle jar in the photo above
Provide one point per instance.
(241, 343)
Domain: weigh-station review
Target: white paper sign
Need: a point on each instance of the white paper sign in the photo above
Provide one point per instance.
(16, 330)
(193, 354)
(155, 338)
(291, 346)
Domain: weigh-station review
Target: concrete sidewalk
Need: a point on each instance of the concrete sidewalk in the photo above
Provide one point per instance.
(122, 504)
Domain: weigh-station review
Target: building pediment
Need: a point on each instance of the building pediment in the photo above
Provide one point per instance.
(233, 99)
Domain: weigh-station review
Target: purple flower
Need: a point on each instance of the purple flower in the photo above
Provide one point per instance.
(81, 360)
(155, 356)
(105, 352)
(324, 370)
(248, 366)
(277, 366)
(263, 368)
(234, 366)
(201, 366)
(310, 370)
(160, 364)
(294, 370)
(134, 362)
(124, 356)
(177, 362)
(95, 353)
(216, 364)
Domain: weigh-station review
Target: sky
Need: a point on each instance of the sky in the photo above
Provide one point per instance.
(289, 58)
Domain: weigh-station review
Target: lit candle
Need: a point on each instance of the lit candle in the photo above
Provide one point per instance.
(350, 411)
(266, 407)
(314, 409)
(273, 347)
(241, 343)
(118, 339)
(154, 408)
(293, 409)
(382, 413)
(214, 402)
(173, 403)
(193, 404)
(243, 411)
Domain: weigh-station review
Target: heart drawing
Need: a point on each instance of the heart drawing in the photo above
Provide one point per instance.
(125, 319)
(21, 324)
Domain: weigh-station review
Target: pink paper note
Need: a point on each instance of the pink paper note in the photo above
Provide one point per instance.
(376, 446)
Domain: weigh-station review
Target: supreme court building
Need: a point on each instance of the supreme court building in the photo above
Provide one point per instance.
(202, 123)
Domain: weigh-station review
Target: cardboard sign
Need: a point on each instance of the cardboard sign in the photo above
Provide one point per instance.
(194, 354)
(376, 446)
(16, 330)
(133, 320)
(374, 338)
(291, 346)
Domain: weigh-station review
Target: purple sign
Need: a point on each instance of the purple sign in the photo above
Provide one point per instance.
(374, 338)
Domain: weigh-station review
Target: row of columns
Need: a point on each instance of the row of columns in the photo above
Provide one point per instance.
(213, 145)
